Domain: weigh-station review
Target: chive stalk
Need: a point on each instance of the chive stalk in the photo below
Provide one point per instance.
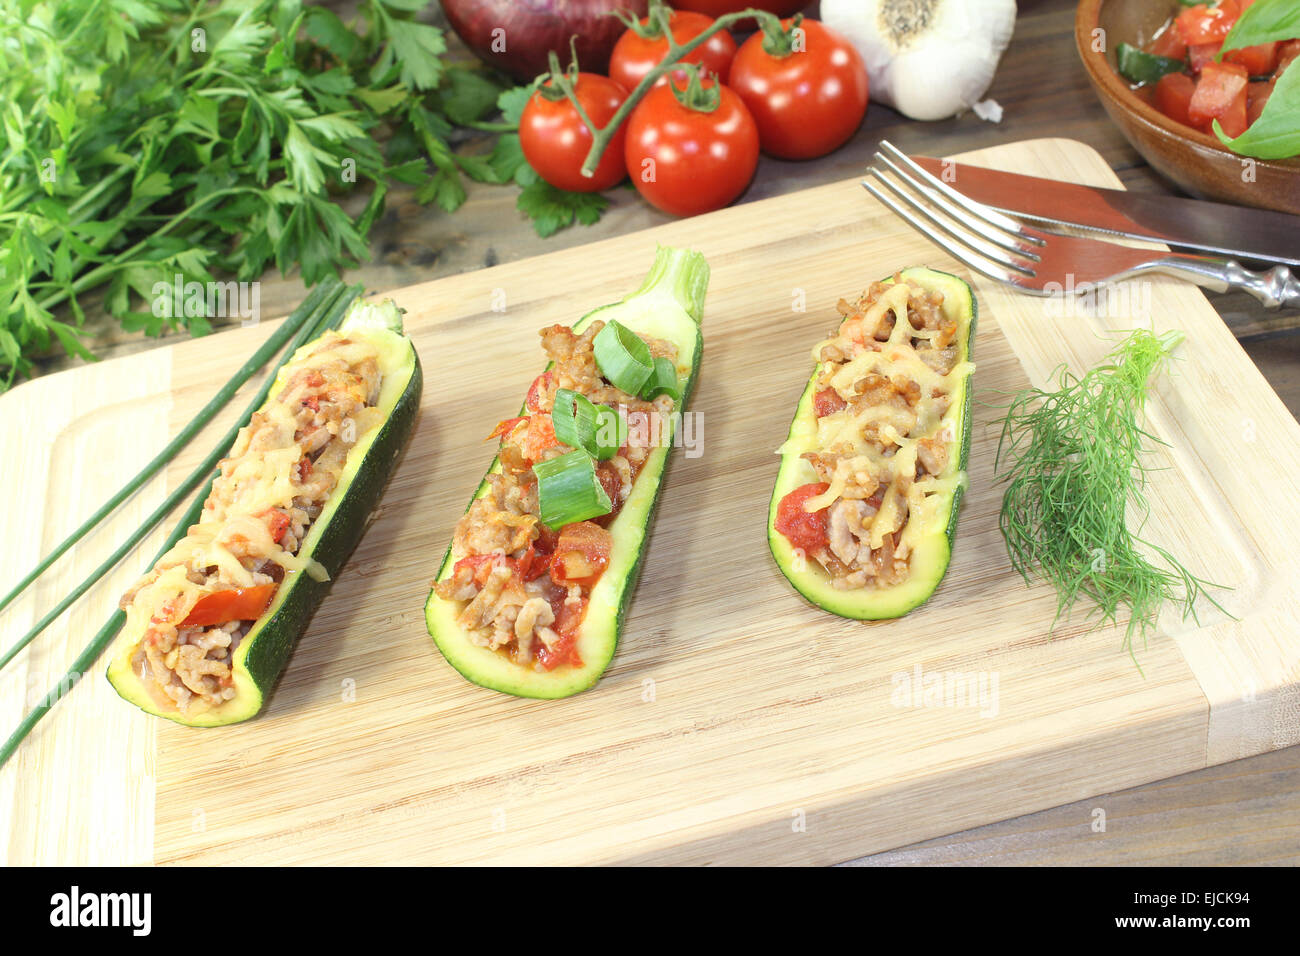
(209, 411)
(329, 316)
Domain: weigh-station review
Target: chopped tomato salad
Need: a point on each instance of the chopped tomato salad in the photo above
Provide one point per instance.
(1231, 87)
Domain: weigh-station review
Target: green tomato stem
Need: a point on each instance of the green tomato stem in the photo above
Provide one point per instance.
(602, 136)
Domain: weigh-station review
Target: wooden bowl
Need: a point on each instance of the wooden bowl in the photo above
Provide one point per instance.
(1196, 161)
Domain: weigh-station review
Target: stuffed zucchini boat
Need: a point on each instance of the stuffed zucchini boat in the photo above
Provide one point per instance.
(872, 473)
(210, 627)
(530, 597)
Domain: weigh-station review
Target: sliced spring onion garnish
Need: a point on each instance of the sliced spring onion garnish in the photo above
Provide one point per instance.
(597, 429)
(568, 490)
(663, 381)
(611, 432)
(624, 359)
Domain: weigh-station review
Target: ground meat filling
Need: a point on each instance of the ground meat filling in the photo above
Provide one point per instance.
(275, 482)
(525, 587)
(880, 402)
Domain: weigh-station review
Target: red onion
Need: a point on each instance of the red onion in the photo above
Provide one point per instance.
(515, 36)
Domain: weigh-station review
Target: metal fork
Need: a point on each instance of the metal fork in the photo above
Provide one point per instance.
(1040, 263)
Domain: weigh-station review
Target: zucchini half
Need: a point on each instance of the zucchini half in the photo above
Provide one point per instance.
(668, 306)
(265, 649)
(932, 548)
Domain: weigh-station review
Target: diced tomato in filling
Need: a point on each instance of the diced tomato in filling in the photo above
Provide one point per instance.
(1220, 94)
(304, 468)
(1207, 24)
(504, 428)
(232, 604)
(827, 401)
(540, 437)
(609, 479)
(532, 565)
(801, 528)
(312, 402)
(581, 554)
(1169, 44)
(1174, 95)
(1258, 60)
(479, 564)
(542, 381)
(278, 523)
(568, 618)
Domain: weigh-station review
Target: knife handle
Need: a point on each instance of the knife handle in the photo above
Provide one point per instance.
(1276, 289)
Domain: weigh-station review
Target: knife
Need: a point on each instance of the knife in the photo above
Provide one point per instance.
(1220, 228)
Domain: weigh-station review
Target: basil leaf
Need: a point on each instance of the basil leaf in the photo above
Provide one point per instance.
(1276, 134)
(1265, 21)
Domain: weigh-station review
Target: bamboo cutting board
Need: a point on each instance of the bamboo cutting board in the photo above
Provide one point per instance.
(737, 723)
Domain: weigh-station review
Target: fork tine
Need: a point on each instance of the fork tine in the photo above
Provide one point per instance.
(975, 208)
(981, 265)
(1020, 247)
(950, 224)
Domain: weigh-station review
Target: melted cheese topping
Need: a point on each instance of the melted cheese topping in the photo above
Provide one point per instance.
(232, 530)
(891, 454)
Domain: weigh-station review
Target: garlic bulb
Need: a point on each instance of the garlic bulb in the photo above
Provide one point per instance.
(929, 59)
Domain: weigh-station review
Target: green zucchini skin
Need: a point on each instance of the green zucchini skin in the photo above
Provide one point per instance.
(602, 624)
(265, 649)
(871, 604)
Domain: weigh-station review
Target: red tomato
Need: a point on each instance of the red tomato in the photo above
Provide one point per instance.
(634, 55)
(685, 160)
(1257, 95)
(555, 141)
(1258, 60)
(504, 428)
(1169, 44)
(233, 604)
(1201, 54)
(1288, 53)
(801, 528)
(540, 436)
(806, 102)
(276, 520)
(568, 618)
(1220, 94)
(541, 383)
(1206, 24)
(827, 401)
(716, 8)
(581, 554)
(1173, 96)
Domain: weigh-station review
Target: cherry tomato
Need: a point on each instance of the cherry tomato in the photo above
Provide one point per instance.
(686, 160)
(635, 55)
(555, 141)
(808, 101)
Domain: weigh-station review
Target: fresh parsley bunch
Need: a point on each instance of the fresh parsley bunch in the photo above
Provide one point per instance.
(149, 140)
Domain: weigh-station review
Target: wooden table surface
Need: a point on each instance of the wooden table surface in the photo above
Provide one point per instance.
(1243, 812)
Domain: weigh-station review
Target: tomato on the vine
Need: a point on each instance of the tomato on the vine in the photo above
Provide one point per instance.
(638, 50)
(555, 141)
(716, 8)
(692, 147)
(808, 92)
